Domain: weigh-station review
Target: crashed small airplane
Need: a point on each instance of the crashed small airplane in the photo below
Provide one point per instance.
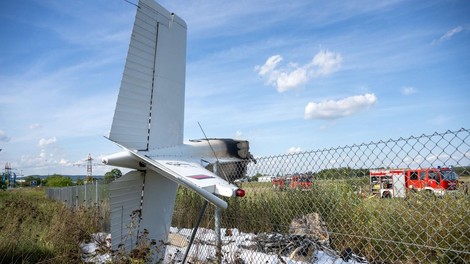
(148, 125)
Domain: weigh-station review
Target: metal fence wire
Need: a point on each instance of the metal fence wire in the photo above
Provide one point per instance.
(89, 195)
(323, 206)
(395, 201)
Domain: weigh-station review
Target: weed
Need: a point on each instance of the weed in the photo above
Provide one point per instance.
(34, 229)
(417, 228)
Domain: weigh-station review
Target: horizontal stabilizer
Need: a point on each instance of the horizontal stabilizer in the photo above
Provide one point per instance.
(168, 171)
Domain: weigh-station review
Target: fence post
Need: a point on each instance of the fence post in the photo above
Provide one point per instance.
(96, 192)
(70, 194)
(77, 200)
(217, 224)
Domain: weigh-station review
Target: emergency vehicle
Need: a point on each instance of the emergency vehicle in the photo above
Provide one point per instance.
(295, 182)
(395, 182)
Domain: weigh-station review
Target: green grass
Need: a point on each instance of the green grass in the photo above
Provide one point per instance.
(464, 179)
(34, 229)
(420, 228)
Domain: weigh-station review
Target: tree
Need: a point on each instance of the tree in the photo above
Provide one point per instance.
(3, 185)
(112, 175)
(255, 178)
(80, 182)
(57, 180)
(31, 181)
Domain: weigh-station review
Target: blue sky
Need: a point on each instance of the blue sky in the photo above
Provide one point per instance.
(286, 75)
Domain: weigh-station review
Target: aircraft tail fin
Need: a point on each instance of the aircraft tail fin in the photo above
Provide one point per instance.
(125, 198)
(141, 202)
(150, 107)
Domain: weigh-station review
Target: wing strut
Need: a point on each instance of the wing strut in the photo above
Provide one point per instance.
(193, 235)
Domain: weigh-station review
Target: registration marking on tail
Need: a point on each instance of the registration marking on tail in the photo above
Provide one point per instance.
(201, 177)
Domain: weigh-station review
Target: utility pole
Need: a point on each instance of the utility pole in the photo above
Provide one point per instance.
(89, 167)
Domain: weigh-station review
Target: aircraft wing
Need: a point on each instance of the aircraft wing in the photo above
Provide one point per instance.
(190, 175)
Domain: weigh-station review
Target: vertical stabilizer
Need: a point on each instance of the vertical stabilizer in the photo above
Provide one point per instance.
(150, 107)
(126, 198)
(142, 202)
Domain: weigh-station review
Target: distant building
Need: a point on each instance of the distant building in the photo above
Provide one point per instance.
(265, 178)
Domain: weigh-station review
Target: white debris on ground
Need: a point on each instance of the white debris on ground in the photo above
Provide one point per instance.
(95, 251)
(237, 247)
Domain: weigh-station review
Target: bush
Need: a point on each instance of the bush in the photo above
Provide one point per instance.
(58, 181)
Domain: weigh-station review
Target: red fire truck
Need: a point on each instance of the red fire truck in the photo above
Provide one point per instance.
(395, 182)
(295, 182)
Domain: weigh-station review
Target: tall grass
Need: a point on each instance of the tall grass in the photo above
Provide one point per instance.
(34, 229)
(420, 228)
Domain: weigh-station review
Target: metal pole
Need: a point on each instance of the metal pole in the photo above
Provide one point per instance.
(122, 222)
(96, 193)
(217, 224)
(77, 202)
(218, 239)
(70, 192)
(193, 235)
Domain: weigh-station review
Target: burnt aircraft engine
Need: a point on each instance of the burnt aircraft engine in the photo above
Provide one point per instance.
(233, 155)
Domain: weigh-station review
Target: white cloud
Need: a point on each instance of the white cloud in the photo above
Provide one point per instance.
(293, 75)
(289, 80)
(34, 126)
(4, 137)
(327, 62)
(238, 134)
(407, 90)
(449, 34)
(331, 109)
(269, 65)
(65, 162)
(44, 142)
(293, 150)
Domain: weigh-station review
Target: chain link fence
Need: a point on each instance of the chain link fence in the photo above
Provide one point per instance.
(322, 206)
(391, 201)
(89, 195)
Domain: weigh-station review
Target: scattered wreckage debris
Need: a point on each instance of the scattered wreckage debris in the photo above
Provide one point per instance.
(307, 241)
(299, 248)
(307, 235)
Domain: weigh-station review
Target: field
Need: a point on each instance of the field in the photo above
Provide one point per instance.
(464, 179)
(34, 229)
(419, 227)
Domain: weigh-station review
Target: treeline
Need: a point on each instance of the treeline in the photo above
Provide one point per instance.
(341, 173)
(57, 180)
(336, 173)
(347, 172)
(462, 171)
